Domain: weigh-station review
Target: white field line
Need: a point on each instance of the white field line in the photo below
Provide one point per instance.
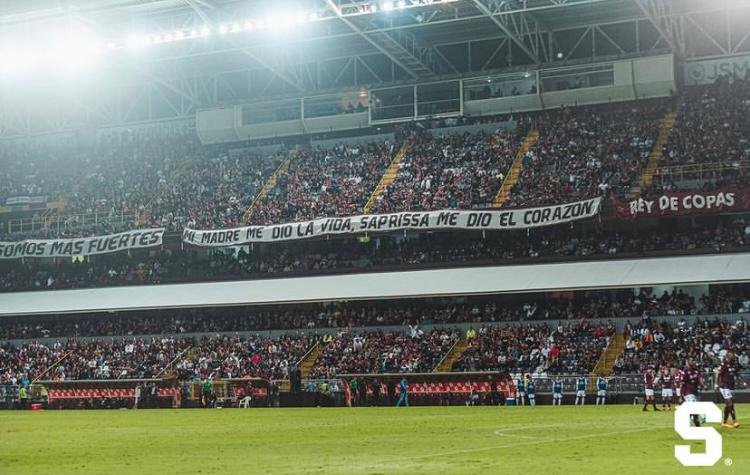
(536, 441)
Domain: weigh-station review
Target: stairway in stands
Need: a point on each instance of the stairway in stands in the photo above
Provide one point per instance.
(450, 358)
(50, 214)
(388, 177)
(656, 154)
(269, 185)
(308, 361)
(608, 357)
(515, 169)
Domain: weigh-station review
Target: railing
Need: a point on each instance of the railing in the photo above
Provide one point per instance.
(58, 223)
(700, 170)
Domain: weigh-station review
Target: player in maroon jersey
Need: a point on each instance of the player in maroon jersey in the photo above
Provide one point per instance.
(648, 383)
(667, 388)
(678, 375)
(691, 383)
(727, 376)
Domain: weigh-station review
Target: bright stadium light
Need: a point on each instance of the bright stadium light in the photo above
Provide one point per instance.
(223, 29)
(137, 41)
(387, 6)
(205, 31)
(402, 4)
(73, 50)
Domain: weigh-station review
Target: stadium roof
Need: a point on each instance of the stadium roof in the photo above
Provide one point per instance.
(259, 49)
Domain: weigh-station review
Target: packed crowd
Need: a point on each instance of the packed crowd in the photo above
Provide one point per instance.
(321, 183)
(231, 356)
(318, 317)
(117, 358)
(379, 253)
(384, 352)
(116, 351)
(218, 356)
(584, 152)
(453, 171)
(535, 348)
(168, 178)
(712, 124)
(656, 344)
(152, 179)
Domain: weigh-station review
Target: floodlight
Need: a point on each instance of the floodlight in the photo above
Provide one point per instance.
(223, 29)
(137, 41)
(205, 31)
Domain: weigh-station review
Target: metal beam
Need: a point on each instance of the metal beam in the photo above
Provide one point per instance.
(244, 50)
(659, 13)
(515, 37)
(332, 6)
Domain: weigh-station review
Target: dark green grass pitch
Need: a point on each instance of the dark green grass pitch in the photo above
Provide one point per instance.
(454, 440)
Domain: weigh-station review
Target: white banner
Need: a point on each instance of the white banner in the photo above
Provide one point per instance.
(24, 200)
(709, 70)
(415, 220)
(136, 239)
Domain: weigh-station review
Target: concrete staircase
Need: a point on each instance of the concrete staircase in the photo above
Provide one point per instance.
(450, 358)
(515, 169)
(388, 177)
(50, 214)
(656, 154)
(608, 357)
(268, 186)
(308, 361)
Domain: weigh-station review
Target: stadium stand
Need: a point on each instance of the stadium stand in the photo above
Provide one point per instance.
(586, 151)
(560, 243)
(567, 349)
(323, 317)
(658, 344)
(321, 183)
(453, 171)
(378, 352)
(712, 124)
(129, 180)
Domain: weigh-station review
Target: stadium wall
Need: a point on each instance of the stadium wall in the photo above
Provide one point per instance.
(712, 269)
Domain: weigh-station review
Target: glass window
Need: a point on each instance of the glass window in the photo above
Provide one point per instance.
(276, 111)
(392, 103)
(578, 78)
(491, 87)
(438, 98)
